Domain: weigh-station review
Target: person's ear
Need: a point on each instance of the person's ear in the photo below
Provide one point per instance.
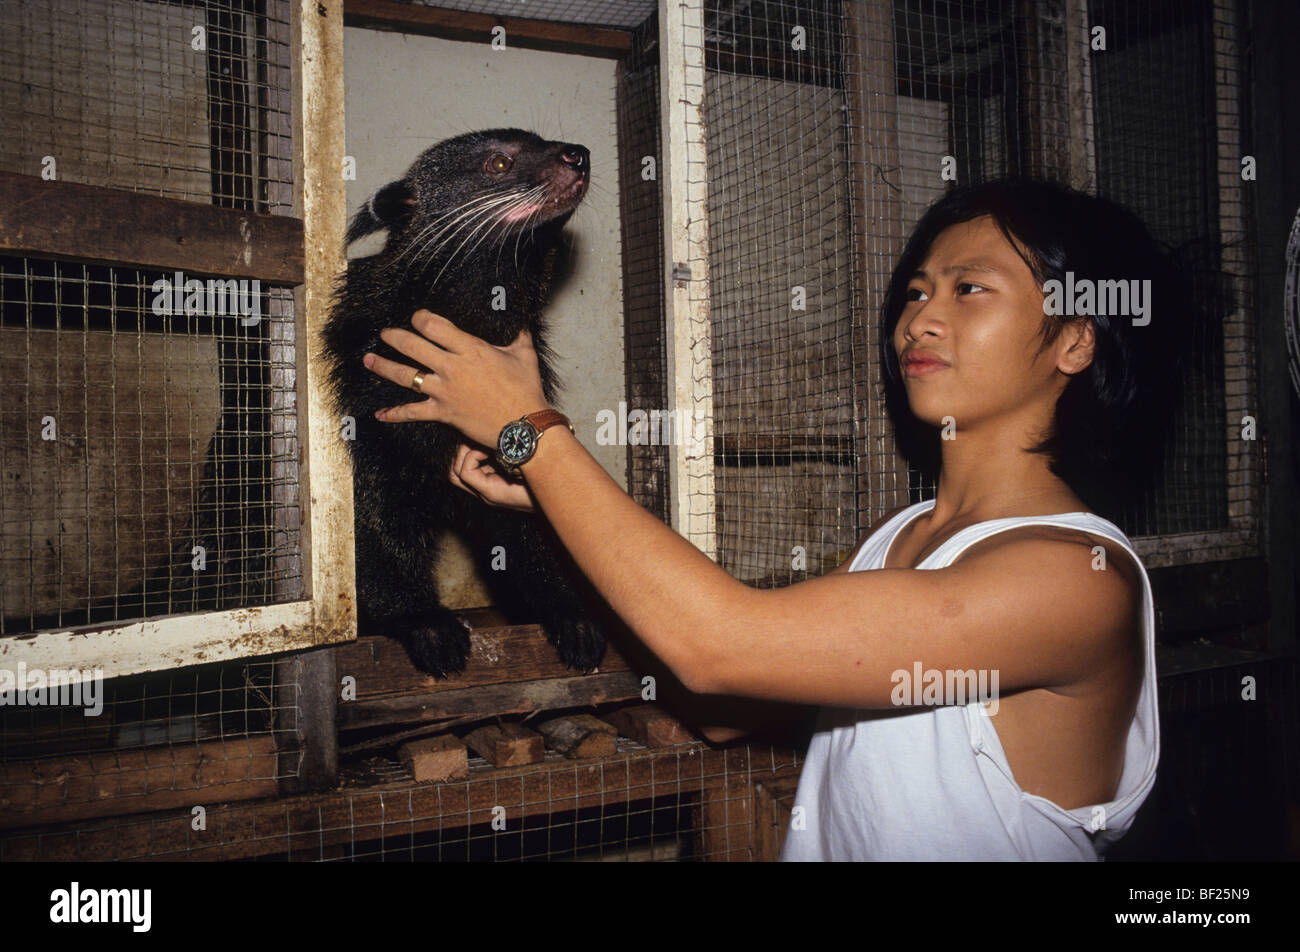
(1078, 344)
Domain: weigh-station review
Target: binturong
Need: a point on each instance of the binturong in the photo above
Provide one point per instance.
(474, 230)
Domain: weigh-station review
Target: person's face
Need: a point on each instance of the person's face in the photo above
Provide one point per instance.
(975, 306)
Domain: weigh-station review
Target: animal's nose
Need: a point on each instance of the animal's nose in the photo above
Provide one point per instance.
(576, 157)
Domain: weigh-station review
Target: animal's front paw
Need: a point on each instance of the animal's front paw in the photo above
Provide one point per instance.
(439, 644)
(581, 643)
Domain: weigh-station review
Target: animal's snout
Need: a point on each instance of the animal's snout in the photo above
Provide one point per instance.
(577, 157)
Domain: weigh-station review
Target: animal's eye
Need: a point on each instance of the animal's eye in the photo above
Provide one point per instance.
(499, 162)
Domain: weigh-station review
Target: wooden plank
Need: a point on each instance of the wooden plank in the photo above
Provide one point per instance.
(499, 654)
(110, 226)
(773, 802)
(580, 736)
(320, 199)
(307, 698)
(309, 826)
(507, 745)
(477, 27)
(176, 641)
(684, 175)
(649, 725)
(489, 699)
(879, 235)
(113, 782)
(435, 759)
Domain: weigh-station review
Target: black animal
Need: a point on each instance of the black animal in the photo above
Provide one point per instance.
(475, 218)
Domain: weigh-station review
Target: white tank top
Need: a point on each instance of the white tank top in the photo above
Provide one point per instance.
(933, 783)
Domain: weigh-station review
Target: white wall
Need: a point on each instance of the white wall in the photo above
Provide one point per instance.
(405, 93)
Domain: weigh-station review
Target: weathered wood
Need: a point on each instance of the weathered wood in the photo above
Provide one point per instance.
(688, 337)
(104, 225)
(580, 736)
(724, 827)
(879, 234)
(773, 802)
(461, 25)
(307, 698)
(499, 654)
(435, 759)
(507, 745)
(310, 826)
(320, 199)
(516, 698)
(113, 782)
(649, 725)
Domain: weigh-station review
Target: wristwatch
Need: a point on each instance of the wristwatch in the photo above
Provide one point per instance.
(518, 440)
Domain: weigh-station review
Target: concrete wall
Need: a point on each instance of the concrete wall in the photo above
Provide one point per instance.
(405, 93)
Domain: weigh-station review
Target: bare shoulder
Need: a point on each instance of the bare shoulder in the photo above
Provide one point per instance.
(1096, 580)
(871, 530)
(1071, 597)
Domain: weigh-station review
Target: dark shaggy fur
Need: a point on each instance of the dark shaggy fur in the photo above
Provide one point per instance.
(450, 249)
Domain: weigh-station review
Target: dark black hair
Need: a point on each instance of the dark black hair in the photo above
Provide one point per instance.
(1112, 421)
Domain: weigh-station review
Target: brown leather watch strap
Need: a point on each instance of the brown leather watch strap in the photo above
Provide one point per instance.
(541, 419)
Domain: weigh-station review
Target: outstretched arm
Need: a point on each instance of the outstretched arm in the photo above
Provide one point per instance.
(838, 639)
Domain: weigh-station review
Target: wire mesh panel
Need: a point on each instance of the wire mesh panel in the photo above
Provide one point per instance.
(684, 802)
(148, 417)
(641, 209)
(831, 127)
(188, 99)
(146, 743)
(780, 289)
(149, 439)
(149, 455)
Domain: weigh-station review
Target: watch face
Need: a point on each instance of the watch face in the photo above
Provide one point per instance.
(518, 443)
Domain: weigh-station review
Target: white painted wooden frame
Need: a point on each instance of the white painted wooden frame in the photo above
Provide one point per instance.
(684, 169)
(327, 615)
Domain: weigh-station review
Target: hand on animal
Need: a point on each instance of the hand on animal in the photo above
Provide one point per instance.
(474, 472)
(474, 386)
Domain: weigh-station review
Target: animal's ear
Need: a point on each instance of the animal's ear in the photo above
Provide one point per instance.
(381, 210)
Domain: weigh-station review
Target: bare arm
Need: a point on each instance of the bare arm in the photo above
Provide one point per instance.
(834, 640)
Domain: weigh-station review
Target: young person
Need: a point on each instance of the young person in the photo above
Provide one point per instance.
(1038, 417)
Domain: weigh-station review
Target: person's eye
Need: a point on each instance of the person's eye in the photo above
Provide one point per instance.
(916, 294)
(967, 284)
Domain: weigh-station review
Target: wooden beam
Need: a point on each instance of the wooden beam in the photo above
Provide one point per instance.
(109, 782)
(492, 699)
(498, 654)
(307, 698)
(879, 234)
(110, 226)
(311, 826)
(477, 27)
(320, 199)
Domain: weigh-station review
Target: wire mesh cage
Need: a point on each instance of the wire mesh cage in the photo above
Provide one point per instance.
(114, 500)
(148, 416)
